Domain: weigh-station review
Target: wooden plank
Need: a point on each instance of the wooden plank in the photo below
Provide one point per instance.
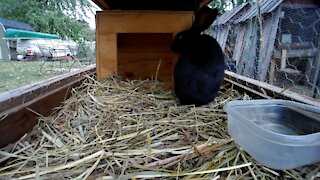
(215, 31)
(316, 80)
(218, 33)
(268, 89)
(270, 38)
(296, 46)
(102, 4)
(142, 24)
(100, 44)
(293, 53)
(143, 21)
(264, 39)
(108, 55)
(246, 88)
(22, 120)
(239, 45)
(251, 53)
(145, 56)
(224, 38)
(247, 58)
(290, 71)
(244, 45)
(283, 59)
(18, 119)
(221, 34)
(272, 71)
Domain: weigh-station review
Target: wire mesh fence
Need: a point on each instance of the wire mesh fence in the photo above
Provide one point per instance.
(276, 42)
(24, 62)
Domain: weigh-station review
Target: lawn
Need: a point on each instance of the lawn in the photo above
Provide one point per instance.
(15, 74)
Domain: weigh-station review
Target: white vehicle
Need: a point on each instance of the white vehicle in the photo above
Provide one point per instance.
(45, 49)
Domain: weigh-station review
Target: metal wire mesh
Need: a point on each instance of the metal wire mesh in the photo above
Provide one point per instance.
(276, 42)
(24, 62)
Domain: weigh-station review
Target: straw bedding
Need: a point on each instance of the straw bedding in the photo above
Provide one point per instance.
(135, 129)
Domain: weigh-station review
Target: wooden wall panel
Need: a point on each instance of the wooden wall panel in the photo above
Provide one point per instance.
(145, 38)
(140, 55)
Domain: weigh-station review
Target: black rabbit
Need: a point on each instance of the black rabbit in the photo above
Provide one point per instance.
(199, 71)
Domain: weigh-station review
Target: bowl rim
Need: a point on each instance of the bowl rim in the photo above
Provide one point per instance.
(292, 140)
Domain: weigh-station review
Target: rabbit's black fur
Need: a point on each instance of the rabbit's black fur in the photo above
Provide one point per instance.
(199, 71)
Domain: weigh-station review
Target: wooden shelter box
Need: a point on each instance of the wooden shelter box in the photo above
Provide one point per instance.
(136, 44)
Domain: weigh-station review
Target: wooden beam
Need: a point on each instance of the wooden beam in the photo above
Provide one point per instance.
(316, 79)
(269, 34)
(238, 49)
(283, 59)
(272, 71)
(102, 4)
(268, 89)
(19, 117)
(293, 53)
(248, 89)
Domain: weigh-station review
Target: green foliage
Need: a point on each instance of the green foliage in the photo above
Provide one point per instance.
(86, 52)
(51, 16)
(223, 4)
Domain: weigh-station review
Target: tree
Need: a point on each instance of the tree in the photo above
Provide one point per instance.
(222, 5)
(51, 16)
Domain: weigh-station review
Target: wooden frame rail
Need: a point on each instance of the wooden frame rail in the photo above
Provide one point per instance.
(266, 90)
(18, 107)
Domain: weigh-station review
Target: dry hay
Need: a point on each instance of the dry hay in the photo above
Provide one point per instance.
(134, 129)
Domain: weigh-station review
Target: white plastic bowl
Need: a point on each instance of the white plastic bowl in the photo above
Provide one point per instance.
(279, 134)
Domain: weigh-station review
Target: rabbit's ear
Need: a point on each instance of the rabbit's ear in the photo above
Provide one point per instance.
(204, 18)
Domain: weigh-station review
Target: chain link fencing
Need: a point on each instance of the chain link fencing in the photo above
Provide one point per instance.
(276, 42)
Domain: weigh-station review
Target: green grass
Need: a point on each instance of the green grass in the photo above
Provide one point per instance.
(14, 74)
